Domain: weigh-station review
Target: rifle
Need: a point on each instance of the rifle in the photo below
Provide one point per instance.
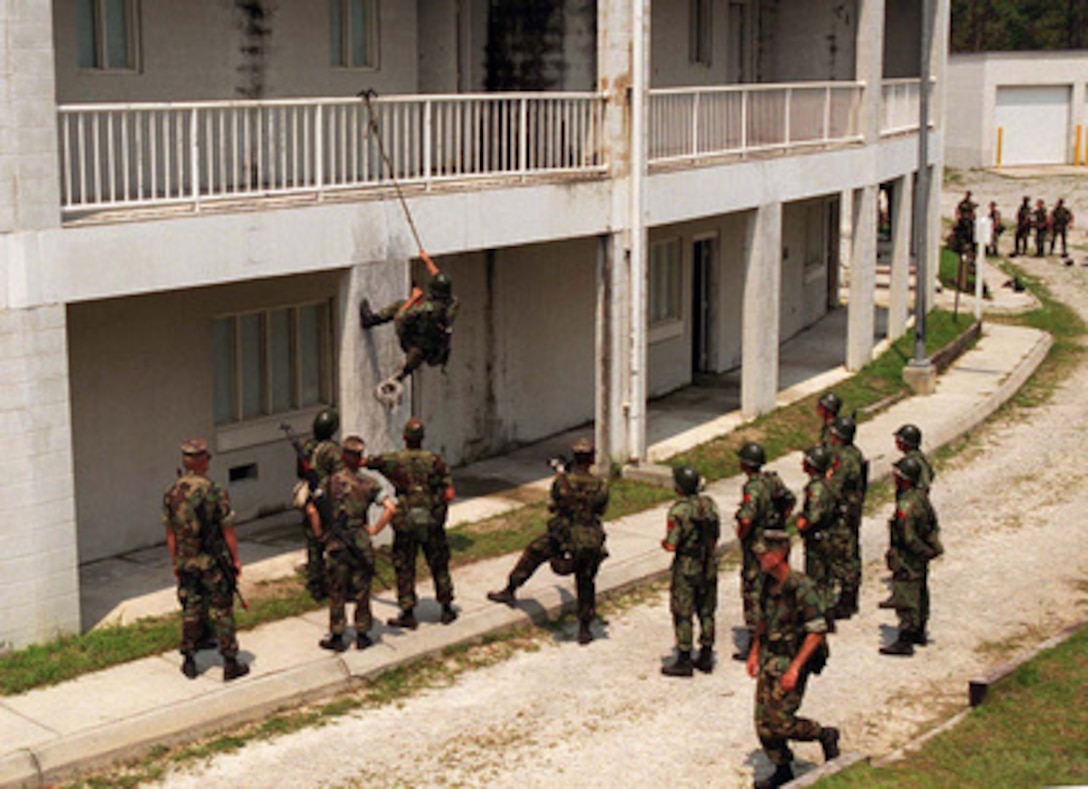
(333, 526)
(213, 541)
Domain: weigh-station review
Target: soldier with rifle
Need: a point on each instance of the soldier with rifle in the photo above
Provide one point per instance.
(346, 537)
(204, 552)
(850, 474)
(692, 532)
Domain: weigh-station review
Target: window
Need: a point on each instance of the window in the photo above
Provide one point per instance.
(353, 33)
(106, 34)
(665, 281)
(271, 362)
(700, 40)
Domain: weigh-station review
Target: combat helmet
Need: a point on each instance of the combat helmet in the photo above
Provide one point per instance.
(910, 436)
(908, 468)
(845, 428)
(440, 287)
(413, 431)
(326, 423)
(830, 402)
(752, 455)
(817, 459)
(686, 480)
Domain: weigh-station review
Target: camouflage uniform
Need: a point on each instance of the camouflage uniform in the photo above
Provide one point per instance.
(1061, 217)
(423, 329)
(848, 474)
(202, 583)
(915, 541)
(326, 459)
(352, 494)
(1023, 227)
(787, 614)
(765, 500)
(420, 478)
(825, 526)
(1040, 220)
(693, 532)
(928, 474)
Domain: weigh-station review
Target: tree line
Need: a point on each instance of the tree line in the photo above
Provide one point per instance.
(1017, 25)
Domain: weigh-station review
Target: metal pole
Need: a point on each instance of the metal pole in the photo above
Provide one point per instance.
(921, 204)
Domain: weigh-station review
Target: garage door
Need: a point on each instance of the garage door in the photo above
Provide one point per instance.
(1035, 123)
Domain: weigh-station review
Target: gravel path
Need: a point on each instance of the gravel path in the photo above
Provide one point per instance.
(1015, 570)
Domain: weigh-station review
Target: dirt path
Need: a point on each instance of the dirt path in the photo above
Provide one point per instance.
(1015, 570)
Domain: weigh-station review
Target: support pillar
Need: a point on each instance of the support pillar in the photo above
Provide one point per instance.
(870, 67)
(761, 321)
(902, 232)
(613, 368)
(861, 321)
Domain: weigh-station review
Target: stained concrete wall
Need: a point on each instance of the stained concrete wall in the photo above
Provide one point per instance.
(902, 38)
(670, 63)
(213, 49)
(807, 40)
(141, 377)
(804, 265)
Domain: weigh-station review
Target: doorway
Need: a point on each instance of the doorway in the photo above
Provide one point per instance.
(703, 252)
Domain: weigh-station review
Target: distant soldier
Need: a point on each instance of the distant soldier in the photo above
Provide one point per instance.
(997, 227)
(827, 407)
(1040, 221)
(325, 458)
(766, 503)
(790, 644)
(347, 540)
(1061, 219)
(965, 224)
(820, 517)
(575, 538)
(850, 473)
(424, 327)
(692, 534)
(424, 492)
(1023, 227)
(915, 542)
(908, 440)
(204, 552)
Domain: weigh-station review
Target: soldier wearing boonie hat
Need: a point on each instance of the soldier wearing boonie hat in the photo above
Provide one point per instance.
(195, 446)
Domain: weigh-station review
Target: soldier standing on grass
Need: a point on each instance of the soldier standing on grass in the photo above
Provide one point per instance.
(915, 542)
(204, 552)
(694, 527)
(790, 644)
(424, 492)
(820, 517)
(575, 538)
(350, 567)
(765, 504)
(850, 473)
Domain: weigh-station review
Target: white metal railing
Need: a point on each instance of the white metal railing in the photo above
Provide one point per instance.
(899, 105)
(689, 123)
(119, 155)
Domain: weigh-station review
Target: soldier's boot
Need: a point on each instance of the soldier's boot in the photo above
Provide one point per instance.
(742, 653)
(448, 614)
(505, 596)
(233, 668)
(334, 643)
(405, 619)
(829, 618)
(188, 666)
(847, 605)
(829, 741)
(585, 635)
(363, 641)
(705, 660)
(889, 603)
(681, 667)
(367, 317)
(783, 774)
(919, 637)
(901, 646)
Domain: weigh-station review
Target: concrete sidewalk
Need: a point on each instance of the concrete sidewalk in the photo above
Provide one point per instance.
(124, 710)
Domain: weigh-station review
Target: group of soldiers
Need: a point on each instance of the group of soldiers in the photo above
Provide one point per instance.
(1046, 225)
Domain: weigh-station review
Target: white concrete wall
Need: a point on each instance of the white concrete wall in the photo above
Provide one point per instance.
(902, 38)
(193, 50)
(670, 61)
(141, 376)
(39, 588)
(807, 40)
(973, 81)
(804, 265)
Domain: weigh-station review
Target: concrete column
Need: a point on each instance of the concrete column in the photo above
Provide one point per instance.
(613, 345)
(938, 107)
(870, 66)
(861, 319)
(761, 320)
(39, 570)
(902, 231)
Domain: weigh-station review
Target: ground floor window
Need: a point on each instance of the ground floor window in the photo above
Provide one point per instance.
(272, 362)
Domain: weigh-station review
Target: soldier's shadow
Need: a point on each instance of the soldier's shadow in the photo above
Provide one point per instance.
(762, 767)
(888, 634)
(564, 624)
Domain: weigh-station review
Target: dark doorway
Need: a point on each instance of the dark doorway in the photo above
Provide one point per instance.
(702, 256)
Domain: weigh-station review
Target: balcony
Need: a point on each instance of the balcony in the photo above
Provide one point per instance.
(688, 125)
(899, 106)
(201, 154)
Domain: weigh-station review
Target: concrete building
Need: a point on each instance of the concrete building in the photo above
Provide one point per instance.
(1017, 108)
(626, 195)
